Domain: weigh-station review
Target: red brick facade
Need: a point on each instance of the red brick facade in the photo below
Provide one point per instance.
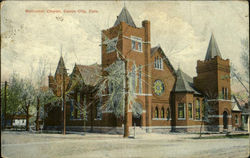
(166, 109)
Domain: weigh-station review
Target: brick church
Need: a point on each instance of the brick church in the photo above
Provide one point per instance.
(170, 99)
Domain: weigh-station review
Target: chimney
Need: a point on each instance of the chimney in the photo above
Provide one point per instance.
(146, 25)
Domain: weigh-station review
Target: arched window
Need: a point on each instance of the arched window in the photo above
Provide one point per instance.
(162, 112)
(155, 62)
(160, 63)
(156, 112)
(226, 93)
(168, 113)
(197, 109)
(134, 78)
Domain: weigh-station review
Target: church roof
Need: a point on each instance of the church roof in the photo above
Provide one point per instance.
(184, 83)
(91, 74)
(165, 59)
(61, 67)
(124, 16)
(213, 49)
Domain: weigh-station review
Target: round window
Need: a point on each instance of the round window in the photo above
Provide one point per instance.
(158, 87)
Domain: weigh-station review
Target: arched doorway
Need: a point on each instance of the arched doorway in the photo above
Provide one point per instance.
(225, 121)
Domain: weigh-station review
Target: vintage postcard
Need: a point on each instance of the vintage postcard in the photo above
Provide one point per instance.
(124, 79)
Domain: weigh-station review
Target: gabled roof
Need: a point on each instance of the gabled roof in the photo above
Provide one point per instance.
(61, 67)
(184, 83)
(213, 49)
(235, 104)
(91, 74)
(124, 16)
(165, 59)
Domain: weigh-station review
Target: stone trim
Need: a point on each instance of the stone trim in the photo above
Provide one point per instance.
(219, 100)
(195, 126)
(144, 42)
(181, 119)
(142, 94)
(157, 127)
(79, 119)
(161, 119)
(218, 116)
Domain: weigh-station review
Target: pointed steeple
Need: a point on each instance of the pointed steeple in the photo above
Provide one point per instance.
(61, 67)
(213, 49)
(124, 17)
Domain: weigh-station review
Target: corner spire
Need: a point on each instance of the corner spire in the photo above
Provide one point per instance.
(213, 49)
(124, 16)
(61, 67)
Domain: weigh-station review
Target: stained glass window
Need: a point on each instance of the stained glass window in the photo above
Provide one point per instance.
(190, 110)
(181, 110)
(162, 112)
(156, 112)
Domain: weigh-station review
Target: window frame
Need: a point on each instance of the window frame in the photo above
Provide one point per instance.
(158, 65)
(140, 79)
(198, 106)
(184, 112)
(111, 45)
(136, 41)
(162, 112)
(156, 112)
(191, 118)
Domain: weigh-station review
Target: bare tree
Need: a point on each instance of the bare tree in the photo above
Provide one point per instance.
(114, 83)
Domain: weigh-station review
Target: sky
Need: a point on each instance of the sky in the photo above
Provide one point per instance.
(182, 29)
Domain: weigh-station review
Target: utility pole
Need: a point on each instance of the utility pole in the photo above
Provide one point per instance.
(5, 103)
(126, 126)
(27, 116)
(64, 107)
(37, 114)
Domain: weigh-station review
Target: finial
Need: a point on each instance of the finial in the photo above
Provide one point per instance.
(124, 5)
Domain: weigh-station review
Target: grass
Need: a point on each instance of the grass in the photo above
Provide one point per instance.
(224, 136)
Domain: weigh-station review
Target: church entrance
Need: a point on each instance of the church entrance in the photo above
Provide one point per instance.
(136, 116)
(136, 120)
(225, 120)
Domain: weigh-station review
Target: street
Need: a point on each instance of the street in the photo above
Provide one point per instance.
(32, 145)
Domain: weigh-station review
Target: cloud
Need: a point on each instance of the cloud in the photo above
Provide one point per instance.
(182, 29)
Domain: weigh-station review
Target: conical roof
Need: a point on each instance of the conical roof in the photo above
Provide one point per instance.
(61, 67)
(213, 49)
(124, 17)
(184, 83)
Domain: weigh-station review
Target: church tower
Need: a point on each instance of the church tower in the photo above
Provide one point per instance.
(56, 81)
(213, 80)
(125, 39)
